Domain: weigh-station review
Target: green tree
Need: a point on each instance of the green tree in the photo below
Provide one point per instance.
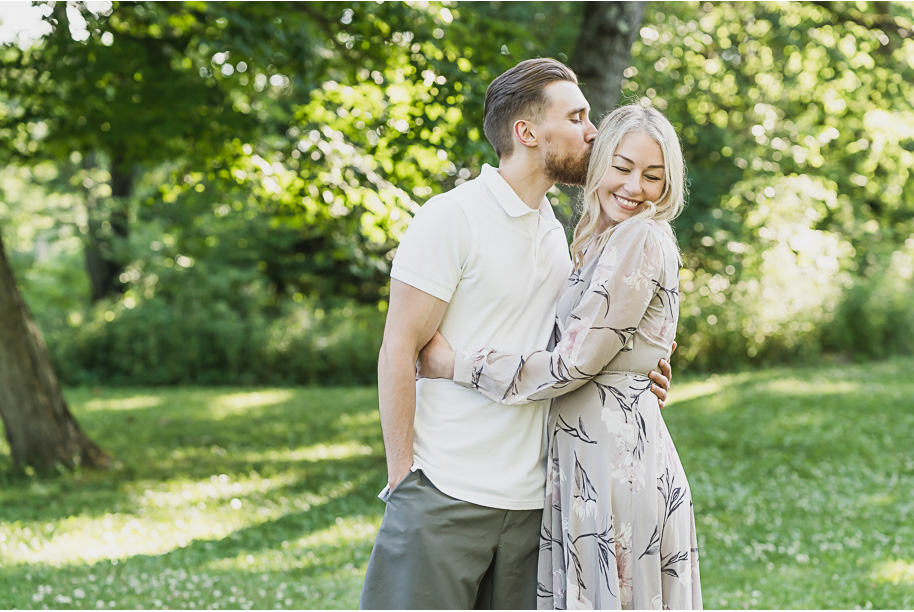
(796, 123)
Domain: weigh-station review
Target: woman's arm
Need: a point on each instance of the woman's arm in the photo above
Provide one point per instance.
(625, 280)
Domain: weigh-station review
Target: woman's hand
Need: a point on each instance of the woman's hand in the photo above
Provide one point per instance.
(436, 360)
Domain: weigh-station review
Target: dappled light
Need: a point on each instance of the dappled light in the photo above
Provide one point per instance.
(239, 403)
(129, 403)
(305, 552)
(200, 204)
(789, 491)
(895, 572)
(169, 516)
(796, 387)
(317, 452)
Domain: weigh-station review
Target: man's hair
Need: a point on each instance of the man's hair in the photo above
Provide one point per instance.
(519, 94)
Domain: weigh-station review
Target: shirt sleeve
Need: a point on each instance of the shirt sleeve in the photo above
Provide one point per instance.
(625, 280)
(434, 251)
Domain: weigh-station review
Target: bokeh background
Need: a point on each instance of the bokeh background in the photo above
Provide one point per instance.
(200, 202)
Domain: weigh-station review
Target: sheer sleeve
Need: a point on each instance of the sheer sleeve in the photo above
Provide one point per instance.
(625, 280)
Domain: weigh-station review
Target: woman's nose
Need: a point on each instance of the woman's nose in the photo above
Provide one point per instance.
(633, 184)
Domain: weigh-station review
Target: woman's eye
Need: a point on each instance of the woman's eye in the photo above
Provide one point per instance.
(623, 170)
(652, 178)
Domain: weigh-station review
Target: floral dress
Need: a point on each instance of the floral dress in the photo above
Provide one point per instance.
(618, 527)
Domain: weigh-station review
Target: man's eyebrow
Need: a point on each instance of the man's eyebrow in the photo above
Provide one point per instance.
(633, 163)
(578, 111)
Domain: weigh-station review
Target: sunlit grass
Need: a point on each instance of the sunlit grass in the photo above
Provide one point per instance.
(239, 403)
(222, 498)
(799, 485)
(266, 498)
(123, 403)
(895, 572)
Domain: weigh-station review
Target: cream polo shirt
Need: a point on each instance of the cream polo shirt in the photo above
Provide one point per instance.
(500, 266)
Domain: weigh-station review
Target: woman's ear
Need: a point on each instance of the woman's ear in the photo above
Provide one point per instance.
(524, 133)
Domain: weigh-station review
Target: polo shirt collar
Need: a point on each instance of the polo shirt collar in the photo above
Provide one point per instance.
(508, 198)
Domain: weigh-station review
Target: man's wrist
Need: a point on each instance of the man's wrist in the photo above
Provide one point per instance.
(397, 473)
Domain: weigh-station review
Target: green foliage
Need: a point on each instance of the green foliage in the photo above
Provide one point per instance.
(277, 151)
(202, 337)
(874, 316)
(265, 498)
(796, 121)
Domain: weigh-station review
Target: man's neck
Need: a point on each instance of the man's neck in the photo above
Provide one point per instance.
(526, 179)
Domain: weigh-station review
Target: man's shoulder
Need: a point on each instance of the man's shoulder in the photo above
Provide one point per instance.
(463, 195)
(460, 202)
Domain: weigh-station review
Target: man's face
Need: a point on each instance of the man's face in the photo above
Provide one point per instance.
(568, 134)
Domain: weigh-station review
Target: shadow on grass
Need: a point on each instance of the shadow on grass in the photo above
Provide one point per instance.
(316, 438)
(795, 474)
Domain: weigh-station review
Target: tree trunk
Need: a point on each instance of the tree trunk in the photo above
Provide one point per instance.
(106, 230)
(604, 50)
(602, 53)
(39, 427)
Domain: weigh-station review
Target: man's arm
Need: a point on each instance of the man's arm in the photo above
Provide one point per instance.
(412, 318)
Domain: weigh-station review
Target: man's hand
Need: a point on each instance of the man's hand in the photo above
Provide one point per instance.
(662, 380)
(401, 471)
(436, 359)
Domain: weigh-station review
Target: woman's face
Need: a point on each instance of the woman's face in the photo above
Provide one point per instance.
(635, 176)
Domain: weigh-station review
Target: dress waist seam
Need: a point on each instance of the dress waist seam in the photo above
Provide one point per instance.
(624, 373)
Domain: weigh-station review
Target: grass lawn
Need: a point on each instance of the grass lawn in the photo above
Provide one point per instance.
(265, 498)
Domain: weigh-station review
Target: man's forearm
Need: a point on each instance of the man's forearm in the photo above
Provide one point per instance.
(397, 404)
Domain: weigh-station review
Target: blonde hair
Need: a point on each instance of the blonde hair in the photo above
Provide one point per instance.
(622, 121)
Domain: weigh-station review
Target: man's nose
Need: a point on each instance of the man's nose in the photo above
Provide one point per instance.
(590, 133)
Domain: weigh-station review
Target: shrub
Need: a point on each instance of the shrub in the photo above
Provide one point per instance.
(212, 332)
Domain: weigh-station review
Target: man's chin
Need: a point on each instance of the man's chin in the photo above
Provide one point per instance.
(569, 175)
(567, 171)
(570, 178)
(572, 181)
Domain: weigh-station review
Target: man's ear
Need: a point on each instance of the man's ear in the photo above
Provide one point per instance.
(524, 132)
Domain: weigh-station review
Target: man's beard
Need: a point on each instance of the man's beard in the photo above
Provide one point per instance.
(567, 170)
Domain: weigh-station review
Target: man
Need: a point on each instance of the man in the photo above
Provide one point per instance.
(483, 262)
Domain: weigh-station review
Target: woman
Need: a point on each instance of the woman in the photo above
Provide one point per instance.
(618, 527)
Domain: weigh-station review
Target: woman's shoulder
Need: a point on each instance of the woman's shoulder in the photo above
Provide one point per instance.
(635, 232)
(637, 236)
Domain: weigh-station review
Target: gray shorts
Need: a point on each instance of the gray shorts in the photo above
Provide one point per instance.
(434, 551)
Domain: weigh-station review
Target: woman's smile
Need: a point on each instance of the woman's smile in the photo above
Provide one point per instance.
(627, 203)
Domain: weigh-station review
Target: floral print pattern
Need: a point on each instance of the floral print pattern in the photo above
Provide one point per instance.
(618, 528)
